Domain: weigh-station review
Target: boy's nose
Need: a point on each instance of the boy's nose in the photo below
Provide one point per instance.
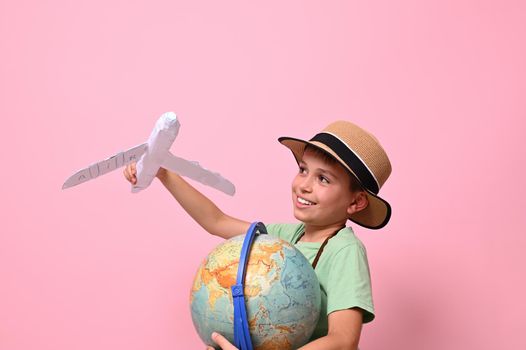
(306, 184)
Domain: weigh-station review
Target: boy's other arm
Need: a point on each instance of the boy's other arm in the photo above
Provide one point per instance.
(345, 327)
(198, 206)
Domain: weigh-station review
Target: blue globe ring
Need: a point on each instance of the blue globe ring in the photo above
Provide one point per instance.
(242, 337)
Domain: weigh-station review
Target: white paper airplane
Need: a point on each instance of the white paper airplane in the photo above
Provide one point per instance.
(152, 155)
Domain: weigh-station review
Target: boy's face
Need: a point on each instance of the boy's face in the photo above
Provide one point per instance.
(321, 193)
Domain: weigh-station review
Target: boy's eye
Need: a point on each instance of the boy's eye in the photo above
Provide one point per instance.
(324, 180)
(302, 170)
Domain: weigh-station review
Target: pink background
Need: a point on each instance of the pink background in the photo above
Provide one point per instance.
(441, 84)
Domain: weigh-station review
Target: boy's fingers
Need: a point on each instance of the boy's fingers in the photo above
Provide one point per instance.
(130, 175)
(222, 342)
(133, 172)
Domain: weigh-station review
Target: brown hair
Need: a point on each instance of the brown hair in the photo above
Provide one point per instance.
(356, 186)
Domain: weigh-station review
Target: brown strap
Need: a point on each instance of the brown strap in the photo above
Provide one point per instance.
(315, 262)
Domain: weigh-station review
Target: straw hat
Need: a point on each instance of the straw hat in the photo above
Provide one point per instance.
(360, 153)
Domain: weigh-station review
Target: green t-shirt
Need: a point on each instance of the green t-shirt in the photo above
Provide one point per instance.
(342, 270)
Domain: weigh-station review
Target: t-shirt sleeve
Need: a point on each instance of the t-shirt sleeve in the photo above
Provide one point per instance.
(349, 282)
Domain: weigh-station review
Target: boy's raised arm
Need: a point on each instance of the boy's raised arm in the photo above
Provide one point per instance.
(198, 206)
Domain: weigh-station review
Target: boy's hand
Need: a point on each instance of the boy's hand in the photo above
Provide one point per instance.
(130, 173)
(222, 342)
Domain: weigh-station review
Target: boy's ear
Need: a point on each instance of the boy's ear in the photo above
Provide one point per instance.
(359, 203)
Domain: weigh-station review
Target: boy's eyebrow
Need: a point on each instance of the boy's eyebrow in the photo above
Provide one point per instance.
(322, 170)
(325, 171)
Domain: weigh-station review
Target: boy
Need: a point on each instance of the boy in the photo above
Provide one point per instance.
(340, 173)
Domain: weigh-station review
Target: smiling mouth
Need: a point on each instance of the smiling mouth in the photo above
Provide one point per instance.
(305, 202)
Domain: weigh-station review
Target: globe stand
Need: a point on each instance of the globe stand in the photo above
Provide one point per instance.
(241, 333)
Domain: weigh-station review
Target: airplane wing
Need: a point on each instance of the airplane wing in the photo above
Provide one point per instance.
(195, 171)
(105, 166)
(152, 155)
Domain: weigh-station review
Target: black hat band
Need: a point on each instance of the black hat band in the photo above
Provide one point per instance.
(351, 160)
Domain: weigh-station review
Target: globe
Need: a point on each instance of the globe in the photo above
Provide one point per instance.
(282, 293)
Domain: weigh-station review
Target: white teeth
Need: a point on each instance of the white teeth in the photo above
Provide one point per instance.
(304, 201)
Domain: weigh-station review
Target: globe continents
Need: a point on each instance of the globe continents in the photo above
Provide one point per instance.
(281, 290)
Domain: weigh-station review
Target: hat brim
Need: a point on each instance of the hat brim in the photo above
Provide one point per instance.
(376, 215)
